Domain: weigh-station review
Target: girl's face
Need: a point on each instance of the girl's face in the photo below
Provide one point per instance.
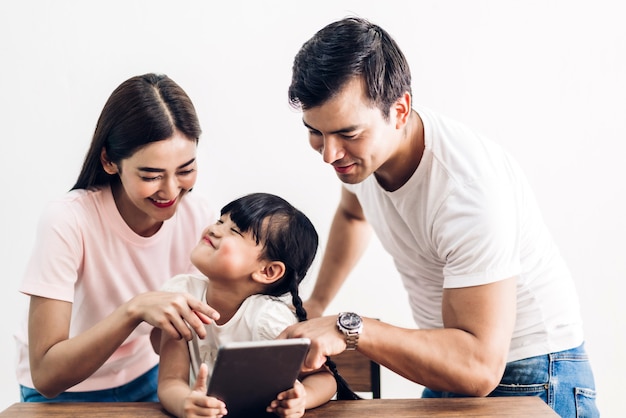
(153, 181)
(226, 252)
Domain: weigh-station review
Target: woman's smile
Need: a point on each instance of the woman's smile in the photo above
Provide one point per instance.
(162, 203)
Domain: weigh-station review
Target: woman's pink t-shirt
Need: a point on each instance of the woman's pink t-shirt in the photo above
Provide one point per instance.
(86, 254)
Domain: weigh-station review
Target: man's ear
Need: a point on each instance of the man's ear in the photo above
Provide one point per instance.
(401, 110)
(108, 166)
(270, 272)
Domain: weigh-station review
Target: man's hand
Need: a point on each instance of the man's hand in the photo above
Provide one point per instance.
(326, 340)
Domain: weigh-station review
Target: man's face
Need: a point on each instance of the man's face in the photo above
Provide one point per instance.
(351, 134)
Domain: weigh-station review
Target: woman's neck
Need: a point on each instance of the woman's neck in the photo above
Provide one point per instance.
(136, 220)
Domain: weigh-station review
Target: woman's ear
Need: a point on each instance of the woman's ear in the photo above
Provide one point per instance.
(270, 272)
(108, 166)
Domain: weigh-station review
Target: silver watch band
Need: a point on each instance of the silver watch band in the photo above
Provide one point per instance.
(352, 340)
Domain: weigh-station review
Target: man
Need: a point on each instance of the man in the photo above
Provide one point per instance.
(496, 307)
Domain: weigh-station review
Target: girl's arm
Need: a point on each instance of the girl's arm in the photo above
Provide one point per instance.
(59, 362)
(320, 387)
(317, 388)
(175, 394)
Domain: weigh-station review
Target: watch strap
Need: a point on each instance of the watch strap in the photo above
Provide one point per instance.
(352, 340)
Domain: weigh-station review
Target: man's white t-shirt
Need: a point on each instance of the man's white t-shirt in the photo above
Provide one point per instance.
(467, 217)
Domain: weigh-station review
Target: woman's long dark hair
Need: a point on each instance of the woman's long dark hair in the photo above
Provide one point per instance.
(141, 110)
(287, 236)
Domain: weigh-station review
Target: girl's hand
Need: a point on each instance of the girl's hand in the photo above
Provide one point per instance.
(198, 404)
(174, 313)
(290, 403)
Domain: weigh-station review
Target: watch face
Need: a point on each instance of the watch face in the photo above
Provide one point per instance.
(350, 320)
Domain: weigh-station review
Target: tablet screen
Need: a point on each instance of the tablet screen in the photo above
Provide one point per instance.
(247, 376)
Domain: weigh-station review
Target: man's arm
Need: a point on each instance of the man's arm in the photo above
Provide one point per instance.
(348, 237)
(467, 356)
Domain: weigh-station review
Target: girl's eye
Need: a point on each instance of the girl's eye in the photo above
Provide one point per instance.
(236, 231)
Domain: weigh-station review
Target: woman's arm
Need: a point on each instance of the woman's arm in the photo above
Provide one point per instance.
(59, 362)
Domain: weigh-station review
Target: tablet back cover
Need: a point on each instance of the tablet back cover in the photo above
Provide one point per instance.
(248, 375)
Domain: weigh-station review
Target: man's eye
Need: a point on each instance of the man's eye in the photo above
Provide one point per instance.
(149, 179)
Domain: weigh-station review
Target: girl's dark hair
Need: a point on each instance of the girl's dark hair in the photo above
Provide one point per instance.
(141, 110)
(288, 236)
(343, 50)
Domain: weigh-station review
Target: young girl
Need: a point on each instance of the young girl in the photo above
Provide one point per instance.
(259, 249)
(105, 248)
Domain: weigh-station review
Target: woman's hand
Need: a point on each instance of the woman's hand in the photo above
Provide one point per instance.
(174, 313)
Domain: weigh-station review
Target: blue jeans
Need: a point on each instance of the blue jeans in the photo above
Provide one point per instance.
(564, 380)
(142, 389)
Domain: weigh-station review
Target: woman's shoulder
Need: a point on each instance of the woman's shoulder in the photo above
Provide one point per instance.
(76, 206)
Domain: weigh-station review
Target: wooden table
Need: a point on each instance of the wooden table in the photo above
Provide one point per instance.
(452, 407)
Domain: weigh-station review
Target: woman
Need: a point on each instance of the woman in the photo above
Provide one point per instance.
(103, 249)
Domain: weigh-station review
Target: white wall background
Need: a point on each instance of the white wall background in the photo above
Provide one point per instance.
(546, 79)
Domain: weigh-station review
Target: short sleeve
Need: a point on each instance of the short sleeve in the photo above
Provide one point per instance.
(477, 233)
(57, 255)
(273, 319)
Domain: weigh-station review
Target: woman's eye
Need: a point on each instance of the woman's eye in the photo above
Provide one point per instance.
(186, 172)
(149, 179)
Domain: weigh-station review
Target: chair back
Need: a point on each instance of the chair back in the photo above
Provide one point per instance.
(361, 373)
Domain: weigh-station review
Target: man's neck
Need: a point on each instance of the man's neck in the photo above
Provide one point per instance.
(407, 157)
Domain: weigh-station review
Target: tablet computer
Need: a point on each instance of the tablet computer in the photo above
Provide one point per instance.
(247, 376)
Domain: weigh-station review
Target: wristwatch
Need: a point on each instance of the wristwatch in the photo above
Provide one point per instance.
(351, 325)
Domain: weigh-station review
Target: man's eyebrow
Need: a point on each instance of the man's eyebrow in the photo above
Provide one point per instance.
(338, 131)
(161, 170)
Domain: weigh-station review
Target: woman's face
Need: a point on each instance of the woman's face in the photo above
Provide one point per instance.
(153, 181)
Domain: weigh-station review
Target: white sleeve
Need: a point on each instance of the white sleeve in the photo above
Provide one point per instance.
(274, 317)
(477, 233)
